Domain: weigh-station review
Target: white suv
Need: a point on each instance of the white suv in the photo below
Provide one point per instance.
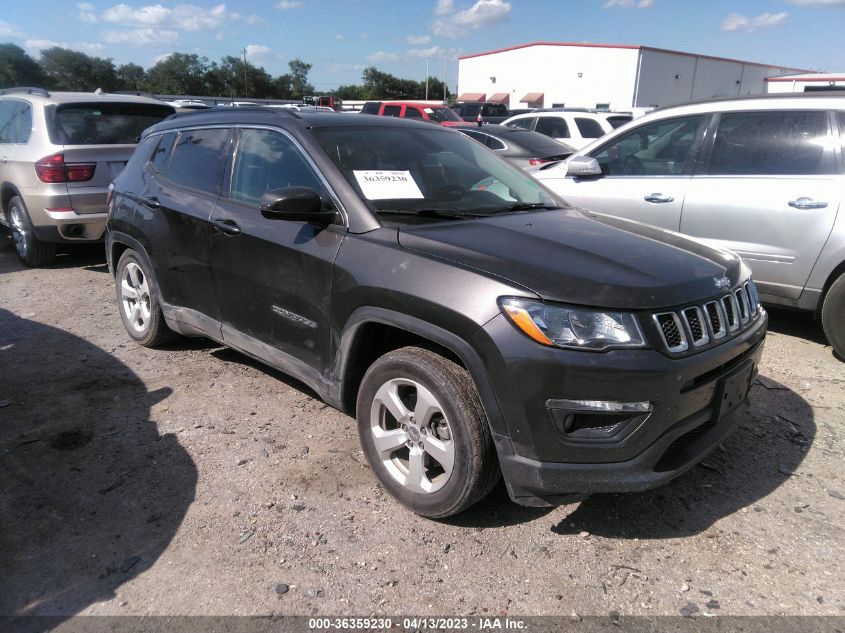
(762, 176)
(576, 128)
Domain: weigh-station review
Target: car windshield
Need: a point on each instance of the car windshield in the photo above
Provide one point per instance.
(442, 114)
(115, 123)
(430, 172)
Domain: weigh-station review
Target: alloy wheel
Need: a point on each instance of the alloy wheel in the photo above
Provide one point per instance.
(135, 297)
(18, 228)
(412, 436)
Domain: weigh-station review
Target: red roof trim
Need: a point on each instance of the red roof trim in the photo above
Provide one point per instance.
(807, 79)
(632, 47)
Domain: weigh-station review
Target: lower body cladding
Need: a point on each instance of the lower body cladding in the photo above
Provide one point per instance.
(579, 423)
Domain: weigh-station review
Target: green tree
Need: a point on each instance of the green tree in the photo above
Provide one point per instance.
(228, 79)
(18, 69)
(299, 78)
(131, 77)
(72, 70)
(353, 92)
(181, 74)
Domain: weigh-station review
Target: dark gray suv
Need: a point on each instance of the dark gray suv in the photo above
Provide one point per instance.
(474, 324)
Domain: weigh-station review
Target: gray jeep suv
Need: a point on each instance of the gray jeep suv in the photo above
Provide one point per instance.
(58, 154)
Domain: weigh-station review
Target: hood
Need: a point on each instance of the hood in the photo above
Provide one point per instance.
(582, 258)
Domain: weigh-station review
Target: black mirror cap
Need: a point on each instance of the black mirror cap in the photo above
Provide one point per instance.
(296, 203)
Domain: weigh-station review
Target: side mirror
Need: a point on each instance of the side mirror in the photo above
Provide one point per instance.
(296, 203)
(583, 167)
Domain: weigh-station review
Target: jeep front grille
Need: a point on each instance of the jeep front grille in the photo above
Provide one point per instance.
(699, 325)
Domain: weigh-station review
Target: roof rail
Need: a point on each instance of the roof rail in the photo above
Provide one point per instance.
(137, 93)
(41, 92)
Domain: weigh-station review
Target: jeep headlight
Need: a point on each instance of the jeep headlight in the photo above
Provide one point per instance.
(573, 327)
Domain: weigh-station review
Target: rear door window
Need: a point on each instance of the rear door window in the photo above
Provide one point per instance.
(553, 126)
(162, 152)
(392, 110)
(412, 113)
(662, 148)
(199, 158)
(588, 128)
(8, 125)
(772, 143)
(104, 123)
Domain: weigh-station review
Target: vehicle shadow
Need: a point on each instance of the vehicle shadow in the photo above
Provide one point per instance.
(88, 256)
(90, 493)
(802, 325)
(776, 431)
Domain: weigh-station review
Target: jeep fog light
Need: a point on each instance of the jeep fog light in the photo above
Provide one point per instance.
(597, 420)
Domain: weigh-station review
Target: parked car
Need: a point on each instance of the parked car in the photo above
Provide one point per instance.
(58, 153)
(490, 112)
(471, 333)
(576, 128)
(522, 147)
(760, 176)
(440, 114)
(616, 119)
(370, 107)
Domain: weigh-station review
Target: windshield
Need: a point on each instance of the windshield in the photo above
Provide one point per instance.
(442, 114)
(430, 171)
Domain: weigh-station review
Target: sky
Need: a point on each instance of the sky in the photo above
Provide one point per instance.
(342, 37)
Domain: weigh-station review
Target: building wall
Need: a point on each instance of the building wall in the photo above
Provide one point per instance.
(610, 75)
(805, 85)
(607, 75)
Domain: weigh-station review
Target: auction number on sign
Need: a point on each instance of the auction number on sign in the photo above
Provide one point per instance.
(387, 185)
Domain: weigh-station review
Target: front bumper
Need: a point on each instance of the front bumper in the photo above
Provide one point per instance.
(543, 465)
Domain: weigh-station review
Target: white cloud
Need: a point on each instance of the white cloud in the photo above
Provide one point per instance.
(286, 5)
(423, 53)
(258, 53)
(338, 36)
(160, 58)
(252, 20)
(187, 17)
(739, 22)
(820, 4)
(629, 4)
(418, 40)
(454, 24)
(10, 30)
(381, 57)
(141, 37)
(86, 12)
(90, 48)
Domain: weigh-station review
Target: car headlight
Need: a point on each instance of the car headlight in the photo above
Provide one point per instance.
(573, 327)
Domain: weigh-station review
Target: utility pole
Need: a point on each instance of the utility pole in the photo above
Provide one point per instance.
(246, 86)
(426, 78)
(445, 59)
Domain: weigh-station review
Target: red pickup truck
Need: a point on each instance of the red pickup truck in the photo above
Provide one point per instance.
(440, 114)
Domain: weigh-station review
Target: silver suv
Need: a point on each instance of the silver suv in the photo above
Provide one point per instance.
(761, 176)
(58, 154)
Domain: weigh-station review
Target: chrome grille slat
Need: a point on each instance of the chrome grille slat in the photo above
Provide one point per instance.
(700, 325)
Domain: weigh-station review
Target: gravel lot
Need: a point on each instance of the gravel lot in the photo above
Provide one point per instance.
(191, 480)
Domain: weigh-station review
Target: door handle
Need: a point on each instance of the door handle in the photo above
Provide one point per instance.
(807, 203)
(152, 203)
(658, 198)
(226, 226)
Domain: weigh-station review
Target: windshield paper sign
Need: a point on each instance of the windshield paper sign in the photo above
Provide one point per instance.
(387, 185)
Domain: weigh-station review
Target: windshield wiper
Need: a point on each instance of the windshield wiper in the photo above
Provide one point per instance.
(526, 206)
(430, 213)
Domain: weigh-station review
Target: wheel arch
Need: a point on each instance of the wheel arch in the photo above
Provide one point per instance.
(7, 192)
(835, 274)
(372, 332)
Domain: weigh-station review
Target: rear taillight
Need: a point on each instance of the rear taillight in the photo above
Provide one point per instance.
(55, 169)
(538, 161)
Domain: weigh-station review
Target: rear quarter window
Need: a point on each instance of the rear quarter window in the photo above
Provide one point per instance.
(103, 123)
(589, 128)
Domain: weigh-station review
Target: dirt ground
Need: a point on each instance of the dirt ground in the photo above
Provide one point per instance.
(191, 480)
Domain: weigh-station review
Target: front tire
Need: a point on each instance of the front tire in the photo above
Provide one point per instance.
(31, 251)
(424, 432)
(137, 298)
(833, 316)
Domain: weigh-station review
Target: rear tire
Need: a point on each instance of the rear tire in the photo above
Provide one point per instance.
(31, 251)
(833, 316)
(137, 300)
(424, 432)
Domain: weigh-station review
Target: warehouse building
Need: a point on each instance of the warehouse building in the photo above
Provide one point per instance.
(606, 76)
(814, 82)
